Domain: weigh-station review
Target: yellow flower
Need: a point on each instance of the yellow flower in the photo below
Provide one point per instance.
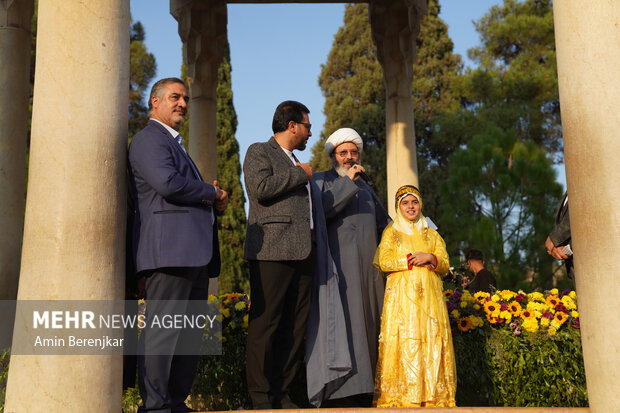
(537, 308)
(568, 303)
(536, 296)
(492, 308)
(491, 319)
(575, 314)
(544, 321)
(481, 296)
(455, 314)
(554, 291)
(573, 295)
(476, 306)
(560, 317)
(464, 324)
(507, 294)
(530, 325)
(447, 293)
(467, 296)
(528, 314)
(552, 331)
(515, 308)
(212, 297)
(233, 324)
(463, 304)
(506, 315)
(240, 306)
(552, 301)
(495, 297)
(476, 321)
(245, 321)
(225, 312)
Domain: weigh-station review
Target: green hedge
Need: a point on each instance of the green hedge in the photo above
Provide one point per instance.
(507, 355)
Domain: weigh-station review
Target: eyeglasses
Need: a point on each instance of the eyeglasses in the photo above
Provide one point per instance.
(307, 125)
(353, 152)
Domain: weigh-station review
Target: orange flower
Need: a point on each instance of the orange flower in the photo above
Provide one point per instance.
(552, 301)
(464, 324)
(560, 317)
(515, 308)
(527, 314)
(492, 308)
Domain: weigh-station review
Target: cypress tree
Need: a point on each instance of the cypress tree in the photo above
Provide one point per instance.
(234, 275)
(352, 83)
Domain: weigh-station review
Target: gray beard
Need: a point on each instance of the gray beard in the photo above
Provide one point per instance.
(340, 170)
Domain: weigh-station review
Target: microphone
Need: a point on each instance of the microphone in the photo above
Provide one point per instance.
(362, 174)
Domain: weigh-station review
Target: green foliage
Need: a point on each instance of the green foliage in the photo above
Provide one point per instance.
(142, 68)
(474, 383)
(352, 83)
(5, 358)
(220, 382)
(234, 275)
(515, 85)
(504, 191)
(536, 371)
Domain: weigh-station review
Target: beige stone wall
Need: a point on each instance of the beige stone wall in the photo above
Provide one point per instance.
(588, 56)
(75, 214)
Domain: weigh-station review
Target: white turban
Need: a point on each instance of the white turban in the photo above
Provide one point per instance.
(341, 136)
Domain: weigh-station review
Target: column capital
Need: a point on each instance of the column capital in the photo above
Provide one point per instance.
(202, 28)
(395, 25)
(16, 14)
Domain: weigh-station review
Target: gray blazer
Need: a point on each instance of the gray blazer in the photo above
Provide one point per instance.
(279, 217)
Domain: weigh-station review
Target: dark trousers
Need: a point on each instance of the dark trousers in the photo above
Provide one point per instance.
(280, 293)
(165, 378)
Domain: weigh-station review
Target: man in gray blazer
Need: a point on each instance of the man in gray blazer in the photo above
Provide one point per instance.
(174, 242)
(279, 247)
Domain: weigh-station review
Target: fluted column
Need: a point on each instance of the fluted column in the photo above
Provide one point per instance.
(395, 26)
(75, 214)
(15, 20)
(588, 60)
(202, 27)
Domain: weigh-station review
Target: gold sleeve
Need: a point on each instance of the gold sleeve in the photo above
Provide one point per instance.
(389, 256)
(439, 250)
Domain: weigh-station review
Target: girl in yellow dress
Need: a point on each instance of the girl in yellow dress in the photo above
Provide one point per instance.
(416, 358)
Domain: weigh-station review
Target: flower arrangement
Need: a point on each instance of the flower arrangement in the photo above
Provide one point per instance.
(517, 348)
(517, 311)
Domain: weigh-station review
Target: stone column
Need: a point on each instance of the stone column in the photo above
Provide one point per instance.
(15, 20)
(75, 213)
(395, 26)
(588, 60)
(202, 27)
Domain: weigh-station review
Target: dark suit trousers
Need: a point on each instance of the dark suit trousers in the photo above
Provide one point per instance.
(280, 293)
(166, 378)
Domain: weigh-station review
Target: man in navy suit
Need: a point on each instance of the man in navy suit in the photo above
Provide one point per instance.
(174, 241)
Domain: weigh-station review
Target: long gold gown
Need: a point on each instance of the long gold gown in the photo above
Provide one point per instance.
(416, 364)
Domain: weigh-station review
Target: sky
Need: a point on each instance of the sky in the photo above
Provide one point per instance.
(276, 54)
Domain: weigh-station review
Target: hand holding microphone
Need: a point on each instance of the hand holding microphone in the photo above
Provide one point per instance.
(358, 170)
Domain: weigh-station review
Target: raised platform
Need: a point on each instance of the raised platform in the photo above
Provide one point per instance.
(436, 410)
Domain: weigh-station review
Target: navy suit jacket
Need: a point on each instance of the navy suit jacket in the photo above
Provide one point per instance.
(174, 215)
